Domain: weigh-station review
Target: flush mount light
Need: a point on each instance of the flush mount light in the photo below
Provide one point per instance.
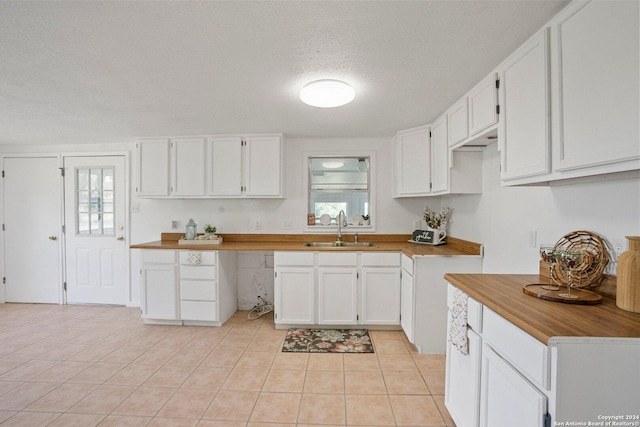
(332, 165)
(327, 93)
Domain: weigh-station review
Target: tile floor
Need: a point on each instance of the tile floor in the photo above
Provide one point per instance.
(102, 366)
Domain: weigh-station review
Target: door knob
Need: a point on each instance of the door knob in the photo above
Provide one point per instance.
(120, 238)
(53, 237)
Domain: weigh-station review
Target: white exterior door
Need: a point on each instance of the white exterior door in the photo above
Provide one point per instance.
(32, 230)
(95, 232)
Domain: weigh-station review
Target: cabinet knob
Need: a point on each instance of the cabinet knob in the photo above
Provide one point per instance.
(120, 238)
(53, 237)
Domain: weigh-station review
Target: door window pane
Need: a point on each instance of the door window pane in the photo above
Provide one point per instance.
(94, 197)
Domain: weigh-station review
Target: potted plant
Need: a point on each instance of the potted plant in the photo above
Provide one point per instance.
(209, 230)
(436, 221)
(365, 220)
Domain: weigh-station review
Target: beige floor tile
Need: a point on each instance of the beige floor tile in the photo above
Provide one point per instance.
(371, 410)
(276, 408)
(405, 383)
(430, 362)
(28, 370)
(133, 375)
(77, 420)
(222, 358)
(322, 408)
(416, 411)
(6, 386)
(291, 361)
(9, 364)
(124, 421)
(385, 347)
(215, 423)
(172, 422)
(6, 414)
(387, 335)
(31, 419)
(63, 371)
(284, 381)
(255, 360)
(364, 383)
(62, 398)
(124, 355)
(325, 362)
(98, 373)
(444, 411)
(187, 403)
(397, 362)
(170, 376)
(62, 352)
(145, 401)
(207, 378)
(93, 353)
(435, 381)
(102, 400)
(189, 357)
(245, 380)
(24, 395)
(361, 362)
(330, 382)
(266, 343)
(232, 406)
(204, 343)
(156, 356)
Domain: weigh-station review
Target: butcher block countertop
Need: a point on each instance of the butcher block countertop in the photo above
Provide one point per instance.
(295, 242)
(544, 319)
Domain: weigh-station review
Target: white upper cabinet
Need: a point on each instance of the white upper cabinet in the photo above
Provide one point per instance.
(524, 133)
(188, 166)
(483, 101)
(263, 166)
(153, 167)
(439, 156)
(595, 86)
(226, 172)
(412, 162)
(458, 122)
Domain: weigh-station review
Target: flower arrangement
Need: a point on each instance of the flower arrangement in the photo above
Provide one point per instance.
(436, 220)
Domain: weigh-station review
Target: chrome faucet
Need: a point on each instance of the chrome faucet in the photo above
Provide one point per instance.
(341, 219)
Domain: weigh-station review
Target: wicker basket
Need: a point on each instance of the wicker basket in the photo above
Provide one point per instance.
(595, 258)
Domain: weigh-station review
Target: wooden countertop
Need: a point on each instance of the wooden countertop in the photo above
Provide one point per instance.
(295, 242)
(544, 319)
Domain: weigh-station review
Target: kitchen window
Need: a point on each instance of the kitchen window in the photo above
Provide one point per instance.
(339, 183)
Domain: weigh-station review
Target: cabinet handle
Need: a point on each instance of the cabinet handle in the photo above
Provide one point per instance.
(53, 237)
(120, 238)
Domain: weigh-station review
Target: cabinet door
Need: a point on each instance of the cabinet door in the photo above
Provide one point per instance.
(483, 100)
(407, 307)
(153, 167)
(380, 296)
(337, 296)
(225, 177)
(462, 383)
(159, 292)
(263, 166)
(412, 162)
(458, 122)
(439, 156)
(506, 397)
(595, 66)
(294, 296)
(524, 127)
(188, 167)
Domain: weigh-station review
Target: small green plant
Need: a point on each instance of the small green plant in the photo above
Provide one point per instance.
(210, 229)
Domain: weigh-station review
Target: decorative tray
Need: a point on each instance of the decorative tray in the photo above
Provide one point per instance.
(427, 243)
(197, 241)
(584, 297)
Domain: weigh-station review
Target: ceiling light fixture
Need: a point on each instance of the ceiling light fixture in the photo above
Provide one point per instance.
(327, 93)
(332, 165)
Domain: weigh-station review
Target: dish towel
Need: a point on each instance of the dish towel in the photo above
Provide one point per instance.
(458, 321)
(194, 257)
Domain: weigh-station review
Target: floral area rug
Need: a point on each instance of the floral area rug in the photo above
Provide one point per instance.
(328, 341)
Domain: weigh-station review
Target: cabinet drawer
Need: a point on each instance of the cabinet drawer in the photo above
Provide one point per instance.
(198, 272)
(206, 257)
(338, 259)
(199, 310)
(198, 290)
(474, 310)
(381, 259)
(158, 256)
(527, 354)
(407, 263)
(293, 259)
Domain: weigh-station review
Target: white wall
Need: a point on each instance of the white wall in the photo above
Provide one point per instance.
(501, 217)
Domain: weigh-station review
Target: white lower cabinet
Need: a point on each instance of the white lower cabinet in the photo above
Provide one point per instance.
(179, 289)
(407, 295)
(337, 288)
(462, 382)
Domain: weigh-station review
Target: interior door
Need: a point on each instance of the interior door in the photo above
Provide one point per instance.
(32, 227)
(95, 233)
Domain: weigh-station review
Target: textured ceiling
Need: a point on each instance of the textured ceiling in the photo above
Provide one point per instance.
(86, 72)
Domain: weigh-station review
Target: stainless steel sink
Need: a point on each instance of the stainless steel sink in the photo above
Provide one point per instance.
(339, 244)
